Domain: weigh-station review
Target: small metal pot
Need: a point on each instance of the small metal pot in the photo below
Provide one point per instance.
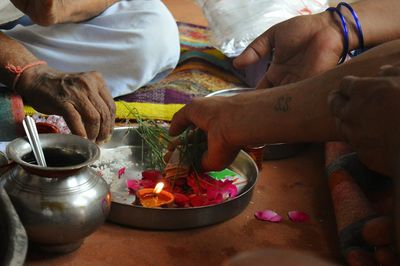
(63, 203)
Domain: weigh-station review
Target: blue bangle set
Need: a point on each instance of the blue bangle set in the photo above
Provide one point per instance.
(358, 26)
(346, 31)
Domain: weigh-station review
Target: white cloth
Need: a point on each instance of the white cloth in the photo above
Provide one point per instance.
(8, 12)
(132, 43)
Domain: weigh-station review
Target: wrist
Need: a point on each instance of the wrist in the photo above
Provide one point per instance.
(333, 22)
(30, 78)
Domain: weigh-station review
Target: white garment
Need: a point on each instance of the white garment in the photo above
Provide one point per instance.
(8, 12)
(132, 43)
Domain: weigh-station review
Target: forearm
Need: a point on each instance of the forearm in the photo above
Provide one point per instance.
(12, 53)
(379, 20)
(299, 112)
(50, 12)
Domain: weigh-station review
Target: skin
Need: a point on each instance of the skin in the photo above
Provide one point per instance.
(306, 46)
(296, 112)
(81, 98)
(366, 111)
(50, 12)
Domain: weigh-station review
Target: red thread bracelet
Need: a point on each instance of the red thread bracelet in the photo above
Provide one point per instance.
(18, 70)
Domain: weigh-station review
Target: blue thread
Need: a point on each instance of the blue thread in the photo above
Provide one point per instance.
(345, 34)
(358, 26)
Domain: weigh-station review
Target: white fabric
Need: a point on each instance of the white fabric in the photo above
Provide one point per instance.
(8, 12)
(131, 44)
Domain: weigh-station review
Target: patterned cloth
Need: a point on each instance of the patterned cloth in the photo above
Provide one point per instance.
(11, 115)
(363, 203)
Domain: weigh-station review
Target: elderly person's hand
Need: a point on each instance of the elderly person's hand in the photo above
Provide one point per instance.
(49, 12)
(303, 47)
(82, 99)
(367, 112)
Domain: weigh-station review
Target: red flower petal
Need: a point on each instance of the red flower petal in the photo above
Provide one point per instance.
(197, 200)
(121, 172)
(298, 216)
(133, 185)
(181, 200)
(151, 175)
(268, 215)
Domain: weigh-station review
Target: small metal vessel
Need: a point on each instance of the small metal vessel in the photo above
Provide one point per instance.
(61, 204)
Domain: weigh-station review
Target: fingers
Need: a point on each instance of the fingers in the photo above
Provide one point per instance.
(73, 120)
(105, 105)
(181, 120)
(389, 71)
(264, 83)
(338, 99)
(90, 116)
(105, 118)
(258, 49)
(217, 158)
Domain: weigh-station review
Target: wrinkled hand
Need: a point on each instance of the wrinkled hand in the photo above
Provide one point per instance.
(82, 99)
(303, 46)
(367, 112)
(214, 116)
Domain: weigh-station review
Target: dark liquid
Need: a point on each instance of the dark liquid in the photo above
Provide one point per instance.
(56, 157)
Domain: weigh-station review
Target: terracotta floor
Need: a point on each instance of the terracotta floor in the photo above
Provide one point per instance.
(297, 183)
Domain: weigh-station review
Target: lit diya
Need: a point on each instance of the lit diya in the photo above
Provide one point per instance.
(156, 197)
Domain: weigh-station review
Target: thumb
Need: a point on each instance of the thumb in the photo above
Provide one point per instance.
(258, 49)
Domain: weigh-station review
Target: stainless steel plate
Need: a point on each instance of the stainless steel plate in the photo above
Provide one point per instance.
(123, 212)
(273, 151)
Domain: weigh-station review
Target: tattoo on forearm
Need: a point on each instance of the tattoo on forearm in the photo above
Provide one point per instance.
(282, 104)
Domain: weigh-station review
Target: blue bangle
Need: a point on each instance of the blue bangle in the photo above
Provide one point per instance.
(358, 26)
(345, 33)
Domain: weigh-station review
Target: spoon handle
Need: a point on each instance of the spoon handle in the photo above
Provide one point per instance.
(33, 137)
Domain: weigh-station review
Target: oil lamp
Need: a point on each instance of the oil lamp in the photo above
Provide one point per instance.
(156, 197)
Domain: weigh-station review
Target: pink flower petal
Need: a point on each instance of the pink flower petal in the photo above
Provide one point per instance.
(268, 215)
(133, 185)
(121, 172)
(298, 216)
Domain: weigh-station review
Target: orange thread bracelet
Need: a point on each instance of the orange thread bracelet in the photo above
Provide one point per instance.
(18, 70)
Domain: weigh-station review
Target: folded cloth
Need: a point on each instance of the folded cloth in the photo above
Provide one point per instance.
(363, 204)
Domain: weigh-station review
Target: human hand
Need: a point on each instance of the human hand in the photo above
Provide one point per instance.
(81, 98)
(214, 116)
(50, 12)
(366, 111)
(303, 47)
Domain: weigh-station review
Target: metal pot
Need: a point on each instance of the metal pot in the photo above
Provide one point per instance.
(61, 204)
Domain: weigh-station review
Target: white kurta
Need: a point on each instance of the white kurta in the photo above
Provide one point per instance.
(132, 44)
(8, 12)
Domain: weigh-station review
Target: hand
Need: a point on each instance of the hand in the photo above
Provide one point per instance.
(303, 47)
(82, 99)
(50, 12)
(367, 114)
(212, 115)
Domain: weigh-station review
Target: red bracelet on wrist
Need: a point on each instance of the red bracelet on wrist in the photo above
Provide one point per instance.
(18, 70)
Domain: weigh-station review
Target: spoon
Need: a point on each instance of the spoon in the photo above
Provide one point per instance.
(33, 137)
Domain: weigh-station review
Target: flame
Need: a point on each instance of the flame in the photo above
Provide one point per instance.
(158, 187)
